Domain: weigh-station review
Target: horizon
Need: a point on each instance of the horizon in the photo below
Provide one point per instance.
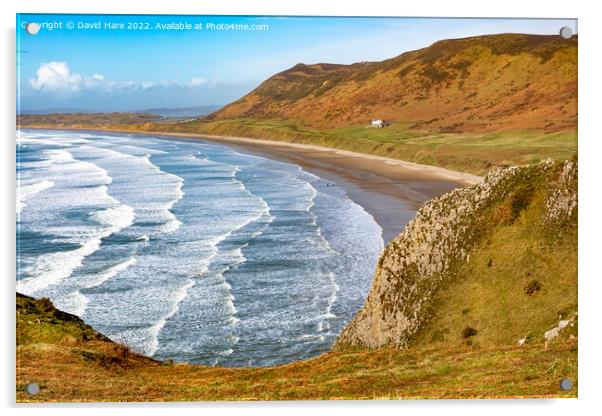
(102, 67)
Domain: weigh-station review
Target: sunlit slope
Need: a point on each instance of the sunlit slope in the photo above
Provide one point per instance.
(478, 84)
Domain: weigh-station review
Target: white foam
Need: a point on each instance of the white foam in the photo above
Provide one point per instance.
(178, 296)
(115, 218)
(226, 352)
(171, 225)
(25, 192)
(76, 302)
(51, 268)
(152, 207)
(311, 338)
(323, 325)
(111, 272)
(32, 140)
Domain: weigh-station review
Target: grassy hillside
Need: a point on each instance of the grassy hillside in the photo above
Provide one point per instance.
(518, 283)
(478, 84)
(484, 265)
(468, 152)
(72, 362)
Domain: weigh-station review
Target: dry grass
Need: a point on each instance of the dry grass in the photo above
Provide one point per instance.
(478, 84)
(68, 374)
(85, 368)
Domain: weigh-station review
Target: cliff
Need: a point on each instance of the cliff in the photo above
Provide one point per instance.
(493, 262)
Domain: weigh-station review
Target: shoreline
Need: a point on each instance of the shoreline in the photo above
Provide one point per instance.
(390, 190)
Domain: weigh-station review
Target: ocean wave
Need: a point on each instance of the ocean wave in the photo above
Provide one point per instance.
(111, 272)
(151, 207)
(76, 302)
(33, 141)
(51, 268)
(318, 229)
(178, 296)
(323, 325)
(311, 338)
(171, 225)
(25, 192)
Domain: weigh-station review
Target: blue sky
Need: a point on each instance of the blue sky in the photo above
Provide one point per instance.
(150, 65)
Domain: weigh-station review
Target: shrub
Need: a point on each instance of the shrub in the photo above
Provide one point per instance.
(44, 304)
(469, 332)
(520, 200)
(434, 74)
(510, 209)
(532, 287)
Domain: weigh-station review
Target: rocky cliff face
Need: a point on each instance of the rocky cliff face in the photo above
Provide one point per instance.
(430, 250)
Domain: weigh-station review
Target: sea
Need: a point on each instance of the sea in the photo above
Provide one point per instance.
(189, 250)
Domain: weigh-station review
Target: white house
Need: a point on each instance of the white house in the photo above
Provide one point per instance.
(378, 123)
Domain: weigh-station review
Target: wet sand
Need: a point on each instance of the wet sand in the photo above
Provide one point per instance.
(390, 190)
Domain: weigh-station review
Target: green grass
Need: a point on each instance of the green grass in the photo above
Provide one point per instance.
(473, 153)
(519, 280)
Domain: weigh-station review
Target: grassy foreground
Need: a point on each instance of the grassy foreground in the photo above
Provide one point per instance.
(72, 362)
(475, 153)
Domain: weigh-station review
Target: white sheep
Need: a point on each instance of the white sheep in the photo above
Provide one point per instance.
(550, 335)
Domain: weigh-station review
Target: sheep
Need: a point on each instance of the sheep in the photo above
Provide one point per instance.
(563, 324)
(550, 335)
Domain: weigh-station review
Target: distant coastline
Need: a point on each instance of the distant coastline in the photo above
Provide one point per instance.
(465, 178)
(390, 190)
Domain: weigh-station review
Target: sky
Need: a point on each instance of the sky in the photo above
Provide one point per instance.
(133, 63)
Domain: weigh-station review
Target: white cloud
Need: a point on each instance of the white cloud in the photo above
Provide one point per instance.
(197, 82)
(55, 76)
(58, 77)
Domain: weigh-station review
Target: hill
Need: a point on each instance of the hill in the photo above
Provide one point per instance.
(86, 119)
(471, 105)
(477, 84)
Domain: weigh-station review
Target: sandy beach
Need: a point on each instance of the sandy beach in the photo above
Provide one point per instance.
(390, 190)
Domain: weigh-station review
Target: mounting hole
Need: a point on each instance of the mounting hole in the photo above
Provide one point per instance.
(32, 28)
(566, 32)
(32, 388)
(566, 384)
